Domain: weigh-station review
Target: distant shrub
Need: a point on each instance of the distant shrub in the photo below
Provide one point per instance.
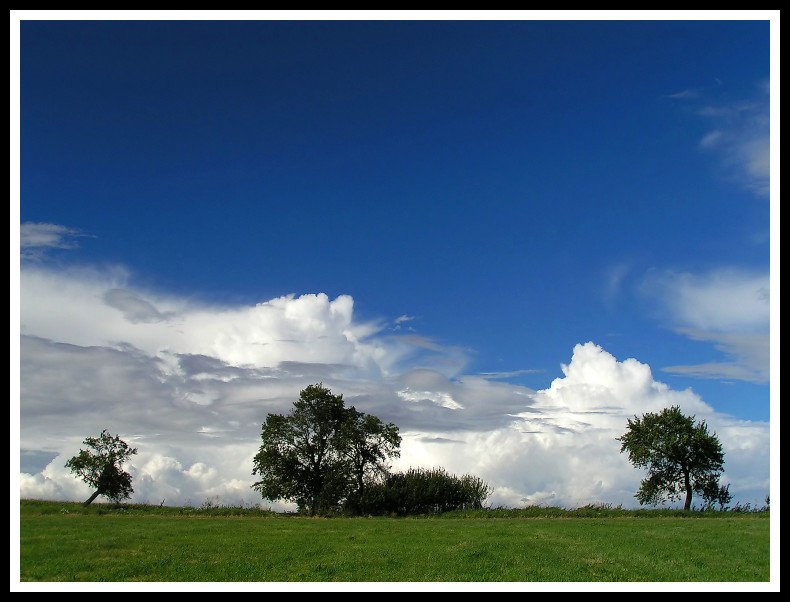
(424, 491)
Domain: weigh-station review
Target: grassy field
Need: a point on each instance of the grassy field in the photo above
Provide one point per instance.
(63, 542)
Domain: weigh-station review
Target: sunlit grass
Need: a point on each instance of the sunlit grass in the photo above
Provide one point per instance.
(66, 542)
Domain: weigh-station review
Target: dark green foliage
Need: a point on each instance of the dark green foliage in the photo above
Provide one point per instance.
(330, 459)
(421, 491)
(368, 444)
(680, 455)
(714, 495)
(100, 466)
(322, 454)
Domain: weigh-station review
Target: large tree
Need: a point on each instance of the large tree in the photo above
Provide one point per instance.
(680, 455)
(101, 467)
(318, 455)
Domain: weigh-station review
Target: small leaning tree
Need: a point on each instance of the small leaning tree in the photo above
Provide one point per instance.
(101, 467)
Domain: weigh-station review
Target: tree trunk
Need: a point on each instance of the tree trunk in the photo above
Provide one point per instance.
(91, 498)
(687, 482)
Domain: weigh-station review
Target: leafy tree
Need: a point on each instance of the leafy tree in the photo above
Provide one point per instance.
(319, 455)
(713, 494)
(680, 455)
(101, 467)
(368, 443)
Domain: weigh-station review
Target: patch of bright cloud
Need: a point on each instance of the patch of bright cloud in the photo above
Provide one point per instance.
(724, 300)
(438, 397)
(562, 449)
(400, 321)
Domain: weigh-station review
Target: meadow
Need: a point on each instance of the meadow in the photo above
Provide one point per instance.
(67, 542)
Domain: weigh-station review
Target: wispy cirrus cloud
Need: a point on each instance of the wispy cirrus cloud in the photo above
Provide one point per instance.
(727, 307)
(740, 137)
(749, 353)
(684, 94)
(36, 239)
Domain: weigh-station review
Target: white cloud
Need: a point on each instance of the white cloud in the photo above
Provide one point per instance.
(90, 309)
(723, 300)
(729, 308)
(561, 450)
(401, 320)
(191, 388)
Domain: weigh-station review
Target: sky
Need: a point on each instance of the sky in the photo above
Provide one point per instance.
(507, 236)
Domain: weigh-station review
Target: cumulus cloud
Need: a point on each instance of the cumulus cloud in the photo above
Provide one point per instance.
(560, 449)
(189, 385)
(729, 308)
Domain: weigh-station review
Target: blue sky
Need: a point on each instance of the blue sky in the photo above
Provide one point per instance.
(506, 236)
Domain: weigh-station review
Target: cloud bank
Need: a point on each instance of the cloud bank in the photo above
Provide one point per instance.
(189, 385)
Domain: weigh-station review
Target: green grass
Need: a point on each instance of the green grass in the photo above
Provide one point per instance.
(134, 543)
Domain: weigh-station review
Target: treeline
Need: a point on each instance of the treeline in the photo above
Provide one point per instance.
(330, 459)
(325, 457)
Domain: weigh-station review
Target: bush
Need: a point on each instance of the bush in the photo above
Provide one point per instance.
(423, 491)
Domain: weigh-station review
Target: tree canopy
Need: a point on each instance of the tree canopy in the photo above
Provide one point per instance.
(368, 444)
(322, 454)
(101, 467)
(680, 455)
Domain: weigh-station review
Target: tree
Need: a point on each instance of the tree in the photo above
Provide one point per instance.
(101, 467)
(319, 455)
(368, 443)
(680, 455)
(299, 460)
(714, 494)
